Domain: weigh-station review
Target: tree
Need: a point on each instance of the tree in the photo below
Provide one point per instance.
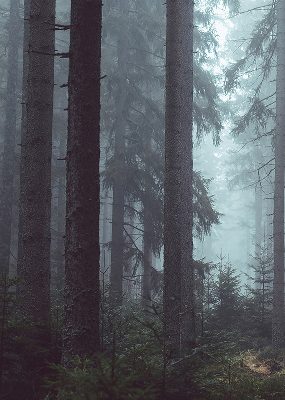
(82, 251)
(186, 200)
(9, 137)
(262, 293)
(226, 297)
(132, 113)
(278, 216)
(147, 231)
(143, 114)
(172, 182)
(178, 212)
(262, 50)
(35, 184)
(117, 245)
(183, 76)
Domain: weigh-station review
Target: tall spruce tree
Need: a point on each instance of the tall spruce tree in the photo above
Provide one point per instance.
(82, 252)
(172, 181)
(144, 122)
(186, 216)
(36, 149)
(278, 217)
(266, 43)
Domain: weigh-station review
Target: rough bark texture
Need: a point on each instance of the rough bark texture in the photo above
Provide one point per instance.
(82, 250)
(186, 226)
(178, 222)
(36, 150)
(172, 183)
(9, 138)
(117, 248)
(278, 218)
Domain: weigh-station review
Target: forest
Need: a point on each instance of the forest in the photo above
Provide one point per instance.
(142, 157)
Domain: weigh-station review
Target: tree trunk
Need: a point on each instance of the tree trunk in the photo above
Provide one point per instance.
(35, 184)
(117, 248)
(82, 250)
(129, 243)
(186, 216)
(61, 221)
(278, 218)
(147, 260)
(258, 232)
(172, 180)
(9, 138)
(178, 213)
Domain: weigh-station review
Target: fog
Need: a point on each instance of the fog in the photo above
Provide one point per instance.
(191, 136)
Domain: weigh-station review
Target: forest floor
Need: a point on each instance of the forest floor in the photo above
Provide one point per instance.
(263, 368)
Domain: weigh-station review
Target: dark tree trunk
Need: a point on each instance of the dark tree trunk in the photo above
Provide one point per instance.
(9, 138)
(82, 250)
(60, 221)
(172, 182)
(178, 213)
(36, 150)
(186, 210)
(278, 218)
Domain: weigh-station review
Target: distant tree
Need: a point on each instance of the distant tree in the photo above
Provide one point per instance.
(261, 294)
(226, 297)
(6, 196)
(266, 44)
(147, 231)
(117, 244)
(82, 251)
(132, 115)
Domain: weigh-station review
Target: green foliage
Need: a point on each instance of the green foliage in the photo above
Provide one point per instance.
(139, 366)
(112, 379)
(270, 353)
(260, 52)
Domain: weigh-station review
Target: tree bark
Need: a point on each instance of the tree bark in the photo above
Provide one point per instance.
(35, 175)
(61, 221)
(172, 180)
(9, 137)
(82, 251)
(278, 217)
(178, 212)
(186, 216)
